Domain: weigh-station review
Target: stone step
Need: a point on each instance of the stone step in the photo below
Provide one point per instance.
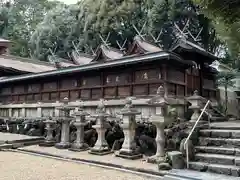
(215, 158)
(218, 119)
(220, 133)
(217, 150)
(223, 142)
(215, 168)
(228, 125)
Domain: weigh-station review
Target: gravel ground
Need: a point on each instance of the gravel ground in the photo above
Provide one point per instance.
(18, 166)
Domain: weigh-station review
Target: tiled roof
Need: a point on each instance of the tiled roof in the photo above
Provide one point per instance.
(24, 64)
(147, 46)
(109, 53)
(80, 58)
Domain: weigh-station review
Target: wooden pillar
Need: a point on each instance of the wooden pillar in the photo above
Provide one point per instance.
(164, 69)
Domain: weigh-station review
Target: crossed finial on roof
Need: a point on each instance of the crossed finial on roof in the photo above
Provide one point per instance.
(185, 32)
(90, 47)
(157, 39)
(122, 47)
(105, 41)
(141, 31)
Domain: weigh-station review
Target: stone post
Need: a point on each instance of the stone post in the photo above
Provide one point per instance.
(160, 118)
(10, 112)
(128, 149)
(101, 146)
(49, 140)
(196, 105)
(79, 144)
(23, 111)
(65, 121)
(39, 110)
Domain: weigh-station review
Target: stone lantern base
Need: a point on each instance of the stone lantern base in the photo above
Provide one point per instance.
(62, 145)
(128, 155)
(79, 147)
(47, 143)
(100, 151)
(155, 159)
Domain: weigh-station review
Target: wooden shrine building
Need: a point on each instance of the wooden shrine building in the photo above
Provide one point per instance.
(113, 74)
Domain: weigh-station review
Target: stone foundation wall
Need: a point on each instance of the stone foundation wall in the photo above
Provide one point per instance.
(233, 105)
(112, 107)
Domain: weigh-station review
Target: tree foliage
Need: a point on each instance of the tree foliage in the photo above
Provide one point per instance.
(41, 25)
(20, 18)
(225, 15)
(84, 23)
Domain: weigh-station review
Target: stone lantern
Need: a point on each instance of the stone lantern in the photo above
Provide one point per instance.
(80, 122)
(160, 118)
(128, 149)
(65, 120)
(101, 146)
(49, 140)
(196, 105)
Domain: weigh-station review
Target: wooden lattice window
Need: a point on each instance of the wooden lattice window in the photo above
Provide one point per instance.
(124, 91)
(109, 92)
(18, 90)
(96, 93)
(69, 83)
(74, 95)
(90, 81)
(175, 76)
(50, 86)
(6, 90)
(33, 88)
(85, 94)
(140, 90)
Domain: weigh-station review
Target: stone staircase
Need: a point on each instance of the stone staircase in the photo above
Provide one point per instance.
(218, 149)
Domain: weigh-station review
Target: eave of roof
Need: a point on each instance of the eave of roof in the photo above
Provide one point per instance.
(187, 45)
(126, 60)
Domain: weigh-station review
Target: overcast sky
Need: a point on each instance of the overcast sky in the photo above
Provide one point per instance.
(69, 1)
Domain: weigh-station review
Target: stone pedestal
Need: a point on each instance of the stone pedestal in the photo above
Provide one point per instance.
(49, 140)
(128, 149)
(65, 121)
(160, 118)
(79, 144)
(101, 146)
(196, 105)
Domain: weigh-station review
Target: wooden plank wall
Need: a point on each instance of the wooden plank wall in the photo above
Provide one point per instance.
(141, 81)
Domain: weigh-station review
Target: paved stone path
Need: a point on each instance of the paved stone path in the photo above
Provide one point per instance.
(110, 158)
(14, 137)
(18, 166)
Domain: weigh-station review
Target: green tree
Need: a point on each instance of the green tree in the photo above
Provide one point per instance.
(20, 20)
(226, 18)
(84, 22)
